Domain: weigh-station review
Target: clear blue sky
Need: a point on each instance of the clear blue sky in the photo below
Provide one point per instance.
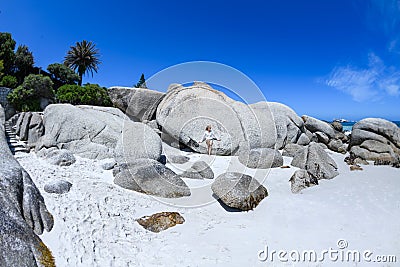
(324, 58)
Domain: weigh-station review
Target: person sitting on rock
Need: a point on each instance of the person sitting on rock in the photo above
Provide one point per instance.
(209, 136)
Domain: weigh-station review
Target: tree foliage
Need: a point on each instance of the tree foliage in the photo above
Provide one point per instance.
(7, 47)
(83, 58)
(9, 82)
(61, 74)
(23, 62)
(26, 97)
(142, 82)
(89, 94)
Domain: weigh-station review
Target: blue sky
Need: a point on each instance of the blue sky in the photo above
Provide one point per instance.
(328, 59)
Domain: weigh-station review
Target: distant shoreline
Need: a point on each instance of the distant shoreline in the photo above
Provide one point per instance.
(348, 126)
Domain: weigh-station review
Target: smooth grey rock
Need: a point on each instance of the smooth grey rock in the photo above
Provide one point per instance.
(303, 140)
(316, 161)
(177, 159)
(291, 149)
(98, 133)
(315, 125)
(336, 145)
(36, 128)
(58, 187)
(322, 137)
(376, 139)
(137, 141)
(24, 129)
(337, 126)
(239, 191)
(288, 125)
(138, 103)
(19, 122)
(150, 177)
(261, 158)
(185, 112)
(199, 170)
(23, 213)
(300, 180)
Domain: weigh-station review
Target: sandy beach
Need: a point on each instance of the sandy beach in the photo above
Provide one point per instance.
(95, 222)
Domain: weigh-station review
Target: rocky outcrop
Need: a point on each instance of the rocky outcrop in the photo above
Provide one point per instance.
(161, 221)
(377, 140)
(28, 126)
(98, 133)
(316, 162)
(239, 191)
(261, 158)
(300, 180)
(23, 213)
(329, 134)
(199, 170)
(150, 177)
(185, 112)
(138, 103)
(289, 127)
(291, 149)
(314, 125)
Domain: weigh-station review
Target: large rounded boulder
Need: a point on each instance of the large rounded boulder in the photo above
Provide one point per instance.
(316, 162)
(286, 126)
(138, 103)
(150, 177)
(98, 133)
(238, 191)
(185, 112)
(376, 139)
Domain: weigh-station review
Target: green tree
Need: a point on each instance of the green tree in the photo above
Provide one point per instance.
(142, 82)
(26, 97)
(89, 94)
(23, 62)
(9, 81)
(7, 47)
(61, 75)
(83, 58)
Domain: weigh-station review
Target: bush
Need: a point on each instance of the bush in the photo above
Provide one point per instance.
(89, 94)
(61, 74)
(26, 97)
(9, 82)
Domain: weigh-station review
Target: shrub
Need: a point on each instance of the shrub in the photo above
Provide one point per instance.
(61, 74)
(9, 81)
(26, 97)
(89, 94)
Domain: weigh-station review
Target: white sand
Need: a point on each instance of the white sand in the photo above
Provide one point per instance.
(94, 222)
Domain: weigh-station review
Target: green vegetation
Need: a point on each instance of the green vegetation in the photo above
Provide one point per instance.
(23, 62)
(31, 86)
(61, 75)
(26, 97)
(141, 83)
(83, 57)
(7, 46)
(89, 94)
(9, 82)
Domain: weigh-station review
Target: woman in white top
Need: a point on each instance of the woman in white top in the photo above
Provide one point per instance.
(209, 136)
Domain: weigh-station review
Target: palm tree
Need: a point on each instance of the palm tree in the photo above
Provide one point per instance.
(84, 57)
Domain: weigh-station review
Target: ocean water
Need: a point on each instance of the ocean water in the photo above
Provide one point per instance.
(348, 126)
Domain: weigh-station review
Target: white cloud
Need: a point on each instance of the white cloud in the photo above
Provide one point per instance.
(368, 84)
